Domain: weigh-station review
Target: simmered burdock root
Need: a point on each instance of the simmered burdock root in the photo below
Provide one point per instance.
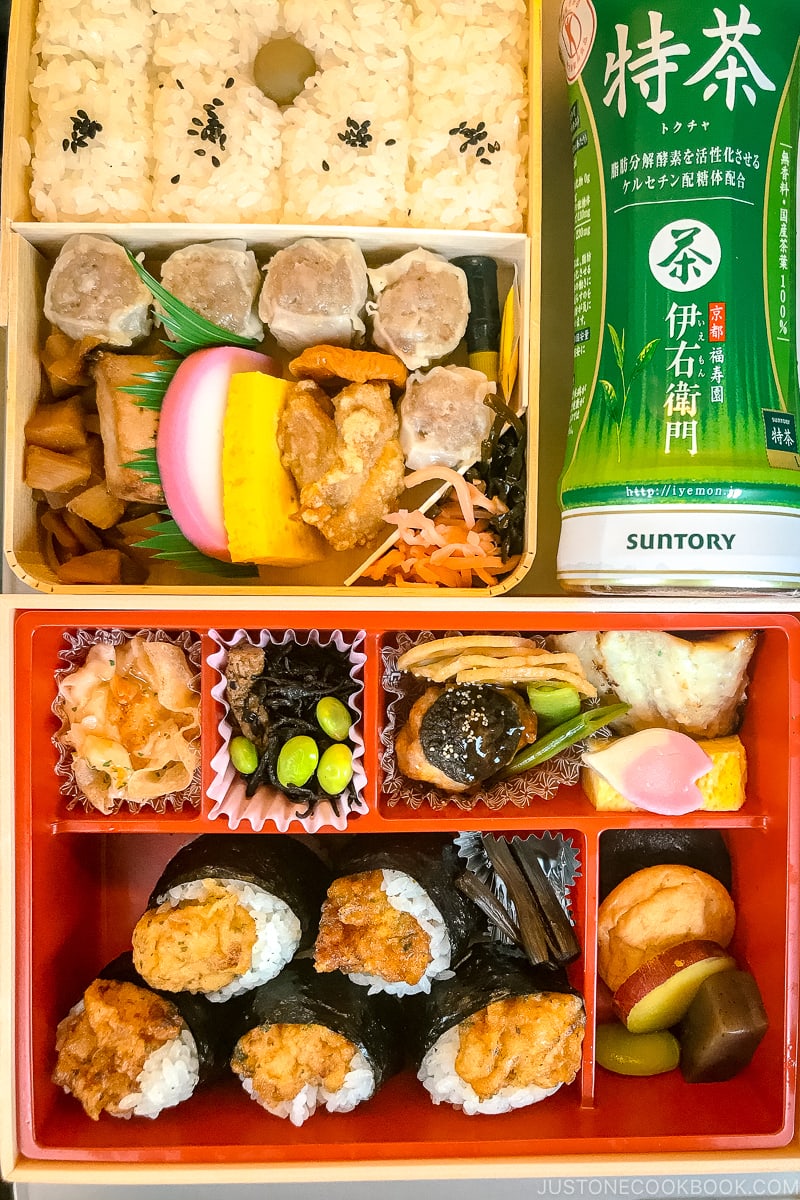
(103, 1048)
(280, 1060)
(360, 932)
(524, 1041)
(200, 945)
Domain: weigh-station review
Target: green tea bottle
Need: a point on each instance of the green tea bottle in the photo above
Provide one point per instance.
(682, 467)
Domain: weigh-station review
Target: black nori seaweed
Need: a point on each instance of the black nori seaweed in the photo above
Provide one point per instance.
(430, 859)
(277, 863)
(471, 732)
(300, 996)
(214, 1027)
(624, 851)
(490, 972)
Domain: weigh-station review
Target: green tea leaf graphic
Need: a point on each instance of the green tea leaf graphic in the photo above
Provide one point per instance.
(644, 356)
(612, 400)
(619, 346)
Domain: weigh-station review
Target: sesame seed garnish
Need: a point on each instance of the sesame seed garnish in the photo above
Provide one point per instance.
(390, 142)
(229, 82)
(175, 179)
(217, 102)
(202, 153)
(325, 166)
(180, 85)
(215, 160)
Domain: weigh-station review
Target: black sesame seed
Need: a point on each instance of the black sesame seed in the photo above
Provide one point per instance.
(215, 160)
(175, 179)
(180, 85)
(216, 102)
(193, 132)
(65, 144)
(390, 142)
(74, 147)
(84, 116)
(326, 166)
(98, 128)
(229, 82)
(481, 125)
(201, 153)
(198, 122)
(223, 137)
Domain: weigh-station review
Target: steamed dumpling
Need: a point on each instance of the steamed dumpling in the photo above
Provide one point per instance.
(443, 418)
(421, 308)
(219, 280)
(315, 292)
(93, 291)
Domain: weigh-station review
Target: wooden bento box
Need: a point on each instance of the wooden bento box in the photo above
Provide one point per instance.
(82, 880)
(30, 246)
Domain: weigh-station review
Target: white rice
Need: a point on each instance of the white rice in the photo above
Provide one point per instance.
(414, 70)
(328, 179)
(406, 895)
(245, 185)
(358, 1086)
(108, 178)
(438, 1076)
(119, 31)
(169, 1076)
(278, 931)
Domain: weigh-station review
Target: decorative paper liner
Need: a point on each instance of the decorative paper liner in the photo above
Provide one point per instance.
(559, 859)
(227, 788)
(73, 657)
(402, 689)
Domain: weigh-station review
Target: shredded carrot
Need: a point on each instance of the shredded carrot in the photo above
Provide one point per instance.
(453, 548)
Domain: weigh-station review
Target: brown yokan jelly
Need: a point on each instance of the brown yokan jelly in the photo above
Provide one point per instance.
(722, 1028)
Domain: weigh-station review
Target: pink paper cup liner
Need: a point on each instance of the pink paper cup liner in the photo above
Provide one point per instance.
(73, 656)
(269, 805)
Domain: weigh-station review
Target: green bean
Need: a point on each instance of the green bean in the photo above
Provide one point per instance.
(244, 755)
(297, 761)
(563, 736)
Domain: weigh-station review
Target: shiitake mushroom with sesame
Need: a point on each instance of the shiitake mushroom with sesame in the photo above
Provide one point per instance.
(457, 737)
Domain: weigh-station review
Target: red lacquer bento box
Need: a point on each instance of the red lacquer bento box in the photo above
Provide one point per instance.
(82, 880)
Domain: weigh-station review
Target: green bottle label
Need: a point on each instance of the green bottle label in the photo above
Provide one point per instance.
(684, 124)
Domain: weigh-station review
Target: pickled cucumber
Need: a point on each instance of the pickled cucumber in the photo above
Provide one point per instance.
(627, 1053)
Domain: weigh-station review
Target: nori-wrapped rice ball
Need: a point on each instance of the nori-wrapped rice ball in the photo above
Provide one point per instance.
(393, 919)
(228, 912)
(309, 1039)
(499, 1034)
(131, 1050)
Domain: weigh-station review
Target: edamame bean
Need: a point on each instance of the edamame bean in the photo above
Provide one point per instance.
(333, 718)
(335, 769)
(244, 755)
(297, 761)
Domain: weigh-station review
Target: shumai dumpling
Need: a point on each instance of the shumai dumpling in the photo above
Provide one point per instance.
(443, 417)
(421, 307)
(93, 291)
(219, 280)
(315, 292)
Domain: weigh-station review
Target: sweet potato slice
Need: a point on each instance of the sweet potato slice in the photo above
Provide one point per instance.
(658, 994)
